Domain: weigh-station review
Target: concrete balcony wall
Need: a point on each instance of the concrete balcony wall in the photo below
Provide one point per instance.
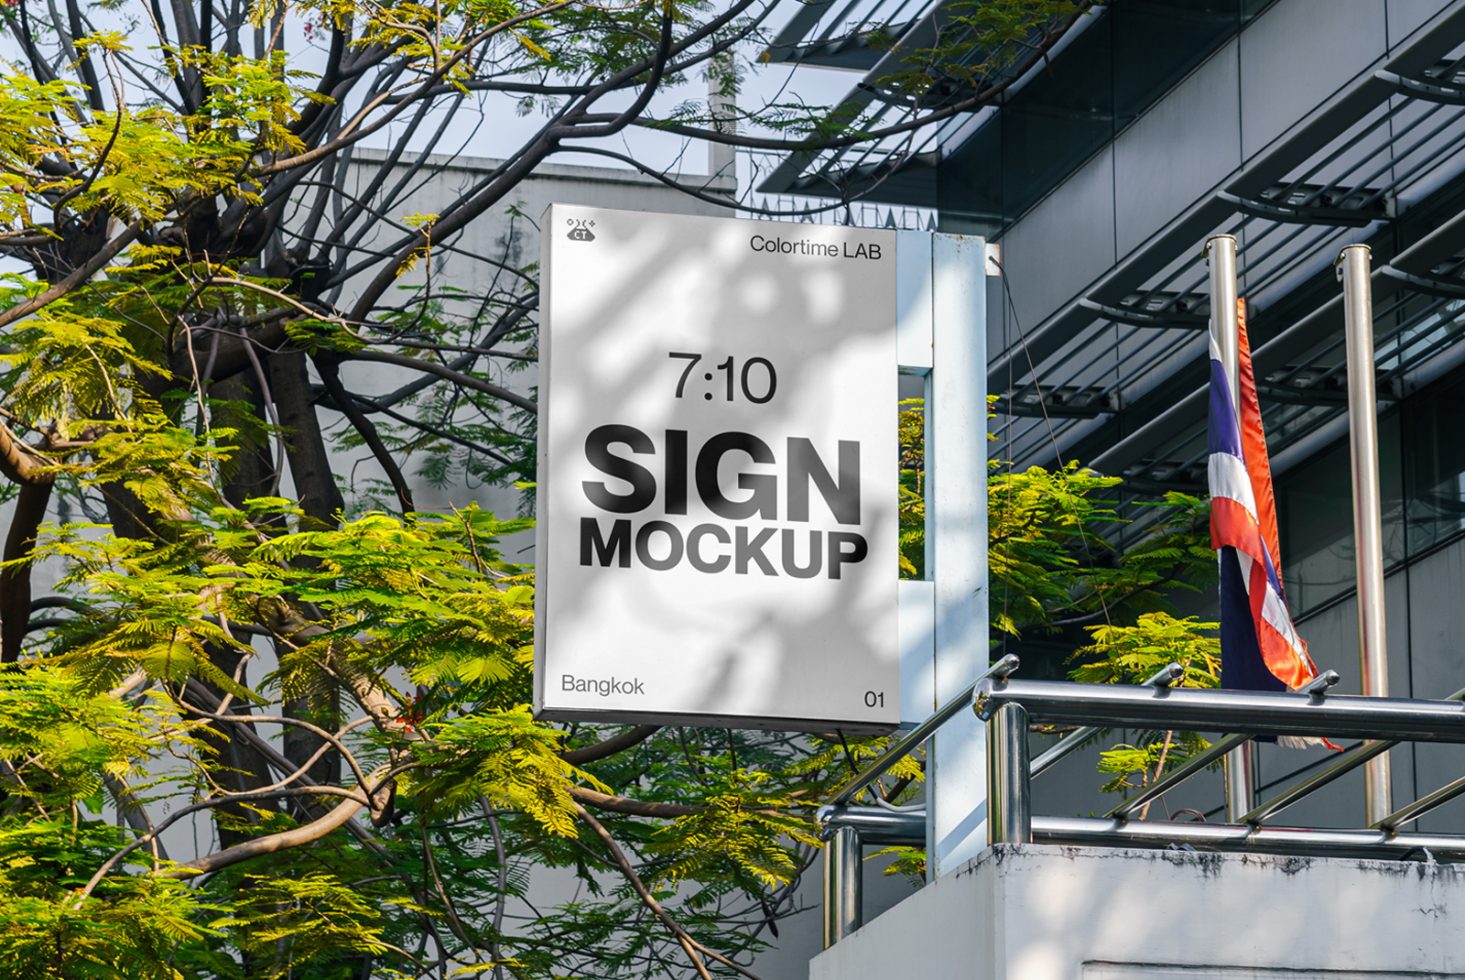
(1031, 912)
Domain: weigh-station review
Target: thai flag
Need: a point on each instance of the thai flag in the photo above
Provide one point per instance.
(1260, 648)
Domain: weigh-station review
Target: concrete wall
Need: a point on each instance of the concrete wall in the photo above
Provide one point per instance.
(1031, 912)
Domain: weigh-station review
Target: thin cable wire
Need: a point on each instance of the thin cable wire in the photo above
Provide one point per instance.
(1083, 536)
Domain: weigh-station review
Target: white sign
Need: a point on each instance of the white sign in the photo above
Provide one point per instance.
(717, 505)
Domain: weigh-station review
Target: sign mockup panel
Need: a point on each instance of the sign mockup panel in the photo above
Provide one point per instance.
(717, 526)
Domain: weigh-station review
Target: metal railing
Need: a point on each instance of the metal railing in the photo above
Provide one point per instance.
(1010, 707)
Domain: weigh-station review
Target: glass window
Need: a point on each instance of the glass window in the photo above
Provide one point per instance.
(1315, 517)
(1058, 119)
(1110, 73)
(1435, 464)
(1156, 44)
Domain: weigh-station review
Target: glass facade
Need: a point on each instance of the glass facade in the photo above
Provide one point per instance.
(1434, 471)
(1421, 481)
(1115, 69)
(1315, 516)
(1100, 231)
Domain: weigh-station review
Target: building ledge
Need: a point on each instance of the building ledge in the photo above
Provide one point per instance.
(1039, 912)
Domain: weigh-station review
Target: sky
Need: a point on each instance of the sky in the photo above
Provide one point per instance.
(504, 127)
(500, 127)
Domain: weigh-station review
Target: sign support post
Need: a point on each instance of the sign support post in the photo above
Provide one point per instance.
(941, 286)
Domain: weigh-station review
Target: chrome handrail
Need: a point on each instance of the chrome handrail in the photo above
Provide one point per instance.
(1079, 737)
(912, 739)
(1319, 779)
(1009, 705)
(845, 838)
(1236, 712)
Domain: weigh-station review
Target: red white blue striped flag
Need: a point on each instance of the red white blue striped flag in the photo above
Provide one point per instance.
(1260, 648)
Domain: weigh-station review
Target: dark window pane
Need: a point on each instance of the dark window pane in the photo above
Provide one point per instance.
(1114, 69)
(1315, 514)
(1156, 44)
(1435, 464)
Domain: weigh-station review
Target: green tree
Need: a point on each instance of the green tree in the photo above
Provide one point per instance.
(1079, 591)
(200, 253)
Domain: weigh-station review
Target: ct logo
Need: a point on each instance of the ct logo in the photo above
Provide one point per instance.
(580, 229)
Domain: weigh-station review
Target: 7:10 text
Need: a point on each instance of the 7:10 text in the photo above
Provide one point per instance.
(754, 379)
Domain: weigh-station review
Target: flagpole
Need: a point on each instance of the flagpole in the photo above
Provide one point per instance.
(1239, 764)
(1368, 538)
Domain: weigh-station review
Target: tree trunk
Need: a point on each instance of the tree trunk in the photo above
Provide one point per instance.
(15, 580)
(315, 488)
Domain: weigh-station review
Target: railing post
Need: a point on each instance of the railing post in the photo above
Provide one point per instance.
(1368, 538)
(842, 891)
(1009, 804)
(1240, 765)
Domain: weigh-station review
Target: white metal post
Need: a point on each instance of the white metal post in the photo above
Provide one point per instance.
(1239, 764)
(914, 341)
(956, 545)
(1368, 538)
(917, 597)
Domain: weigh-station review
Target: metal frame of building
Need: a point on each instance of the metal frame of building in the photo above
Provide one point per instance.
(1342, 174)
(1112, 366)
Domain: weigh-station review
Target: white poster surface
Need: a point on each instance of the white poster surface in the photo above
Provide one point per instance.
(717, 502)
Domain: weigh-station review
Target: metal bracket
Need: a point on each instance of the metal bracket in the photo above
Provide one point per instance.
(1064, 402)
(1343, 206)
(1167, 310)
(1184, 480)
(1427, 89)
(849, 52)
(1318, 686)
(1309, 395)
(1446, 288)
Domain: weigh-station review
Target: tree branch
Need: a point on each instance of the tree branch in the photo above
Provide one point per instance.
(286, 839)
(330, 376)
(610, 746)
(15, 575)
(354, 131)
(78, 276)
(692, 947)
(634, 808)
(443, 371)
(643, 99)
(19, 462)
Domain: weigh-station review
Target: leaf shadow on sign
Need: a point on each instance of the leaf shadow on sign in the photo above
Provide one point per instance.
(843, 629)
(647, 287)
